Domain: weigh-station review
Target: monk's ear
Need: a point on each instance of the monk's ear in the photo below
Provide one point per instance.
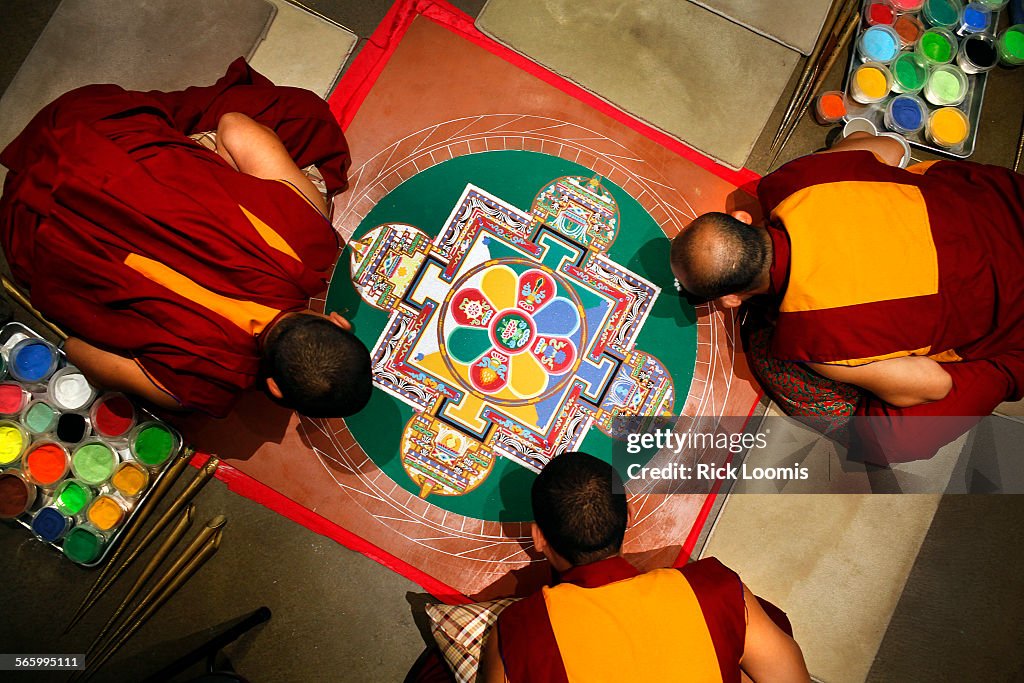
(340, 321)
(743, 217)
(274, 390)
(539, 542)
(730, 301)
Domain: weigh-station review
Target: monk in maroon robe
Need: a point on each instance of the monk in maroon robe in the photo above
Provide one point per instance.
(182, 273)
(906, 285)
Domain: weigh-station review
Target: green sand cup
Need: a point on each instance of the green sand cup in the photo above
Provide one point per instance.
(84, 544)
(1010, 46)
(909, 73)
(946, 86)
(152, 444)
(72, 497)
(39, 418)
(942, 13)
(93, 462)
(937, 46)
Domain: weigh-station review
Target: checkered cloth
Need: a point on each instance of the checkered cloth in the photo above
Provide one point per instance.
(460, 630)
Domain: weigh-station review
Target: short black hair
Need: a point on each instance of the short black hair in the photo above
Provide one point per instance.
(739, 256)
(576, 509)
(321, 369)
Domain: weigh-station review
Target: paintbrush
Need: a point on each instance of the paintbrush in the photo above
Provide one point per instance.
(832, 46)
(179, 530)
(819, 80)
(827, 32)
(174, 471)
(162, 592)
(23, 301)
(1020, 149)
(204, 475)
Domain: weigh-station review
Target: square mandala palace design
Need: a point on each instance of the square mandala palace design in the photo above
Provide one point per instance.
(511, 334)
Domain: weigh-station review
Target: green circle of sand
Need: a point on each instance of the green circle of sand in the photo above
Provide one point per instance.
(94, 463)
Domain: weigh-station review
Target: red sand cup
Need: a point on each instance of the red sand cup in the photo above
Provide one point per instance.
(14, 439)
(946, 86)
(84, 544)
(39, 418)
(130, 479)
(830, 107)
(948, 127)
(113, 416)
(106, 513)
(69, 390)
(49, 525)
(17, 494)
(153, 443)
(32, 360)
(870, 83)
(46, 463)
(1010, 46)
(94, 462)
(13, 398)
(879, 13)
(907, 5)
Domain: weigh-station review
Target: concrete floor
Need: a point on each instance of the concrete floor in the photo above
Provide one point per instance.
(341, 617)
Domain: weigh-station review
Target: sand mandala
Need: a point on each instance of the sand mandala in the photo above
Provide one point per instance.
(512, 334)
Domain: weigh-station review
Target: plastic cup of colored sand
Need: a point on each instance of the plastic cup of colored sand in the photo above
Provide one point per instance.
(830, 107)
(93, 462)
(870, 83)
(113, 416)
(942, 13)
(977, 54)
(946, 86)
(1010, 46)
(84, 544)
(46, 463)
(948, 127)
(72, 497)
(859, 125)
(878, 44)
(907, 5)
(152, 444)
(39, 418)
(49, 525)
(17, 494)
(70, 390)
(976, 18)
(905, 114)
(909, 73)
(33, 360)
(909, 28)
(13, 398)
(130, 479)
(106, 513)
(72, 428)
(879, 13)
(14, 439)
(937, 46)
(905, 159)
(994, 5)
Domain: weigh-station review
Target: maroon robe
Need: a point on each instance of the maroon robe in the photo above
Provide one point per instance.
(103, 174)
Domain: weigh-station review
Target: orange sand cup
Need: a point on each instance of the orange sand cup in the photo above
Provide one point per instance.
(830, 107)
(130, 479)
(106, 513)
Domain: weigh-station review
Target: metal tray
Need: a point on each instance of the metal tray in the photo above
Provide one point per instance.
(124, 453)
(875, 112)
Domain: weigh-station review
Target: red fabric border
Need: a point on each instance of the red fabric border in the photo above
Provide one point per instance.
(350, 93)
(258, 492)
(359, 78)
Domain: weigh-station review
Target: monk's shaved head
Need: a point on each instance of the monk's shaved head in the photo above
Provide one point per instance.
(717, 255)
